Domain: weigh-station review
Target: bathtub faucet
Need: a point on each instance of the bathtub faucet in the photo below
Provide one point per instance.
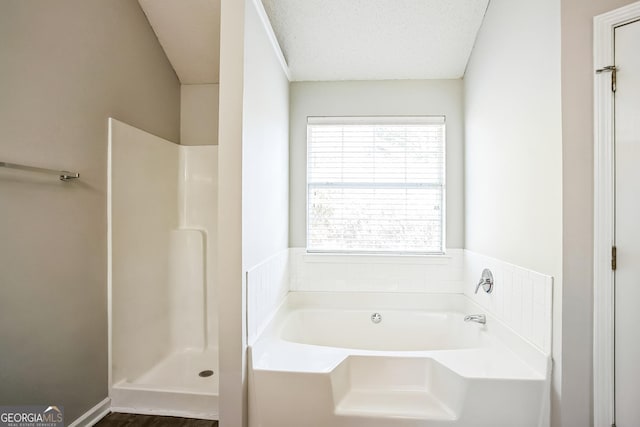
(478, 318)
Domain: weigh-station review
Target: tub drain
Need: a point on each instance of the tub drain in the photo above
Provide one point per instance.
(206, 373)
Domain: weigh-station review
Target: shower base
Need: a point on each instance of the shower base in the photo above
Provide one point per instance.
(173, 387)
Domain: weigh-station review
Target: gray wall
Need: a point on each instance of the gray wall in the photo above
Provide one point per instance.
(66, 66)
(376, 98)
(577, 137)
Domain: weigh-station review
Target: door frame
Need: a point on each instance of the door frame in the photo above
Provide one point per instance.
(604, 214)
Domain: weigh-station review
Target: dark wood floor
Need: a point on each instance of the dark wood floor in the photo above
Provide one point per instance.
(115, 419)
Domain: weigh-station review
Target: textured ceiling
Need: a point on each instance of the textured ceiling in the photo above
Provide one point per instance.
(376, 39)
(189, 32)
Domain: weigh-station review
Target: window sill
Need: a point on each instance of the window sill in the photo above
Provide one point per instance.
(346, 258)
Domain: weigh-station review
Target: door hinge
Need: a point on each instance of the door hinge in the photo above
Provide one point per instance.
(613, 70)
(614, 257)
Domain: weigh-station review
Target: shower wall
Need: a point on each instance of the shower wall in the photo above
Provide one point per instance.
(197, 203)
(162, 249)
(143, 188)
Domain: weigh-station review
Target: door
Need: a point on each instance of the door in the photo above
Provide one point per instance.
(627, 225)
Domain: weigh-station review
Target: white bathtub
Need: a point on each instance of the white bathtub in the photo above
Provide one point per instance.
(322, 361)
(354, 329)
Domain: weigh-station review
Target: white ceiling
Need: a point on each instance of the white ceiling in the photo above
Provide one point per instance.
(376, 39)
(189, 32)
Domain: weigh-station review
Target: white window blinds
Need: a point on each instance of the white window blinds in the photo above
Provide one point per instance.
(375, 184)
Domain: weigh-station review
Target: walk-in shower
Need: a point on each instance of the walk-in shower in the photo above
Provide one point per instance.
(162, 260)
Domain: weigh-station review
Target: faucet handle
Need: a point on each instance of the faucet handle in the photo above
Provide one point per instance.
(486, 281)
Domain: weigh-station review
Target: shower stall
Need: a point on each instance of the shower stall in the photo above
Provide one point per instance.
(162, 208)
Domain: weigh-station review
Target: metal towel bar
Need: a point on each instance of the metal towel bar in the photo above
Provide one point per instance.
(63, 175)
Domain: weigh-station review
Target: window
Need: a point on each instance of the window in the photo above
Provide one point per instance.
(375, 184)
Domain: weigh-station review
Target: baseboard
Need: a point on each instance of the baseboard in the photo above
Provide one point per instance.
(93, 415)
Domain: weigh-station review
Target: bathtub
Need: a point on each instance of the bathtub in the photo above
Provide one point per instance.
(386, 360)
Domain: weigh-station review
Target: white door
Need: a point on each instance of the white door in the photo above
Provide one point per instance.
(627, 225)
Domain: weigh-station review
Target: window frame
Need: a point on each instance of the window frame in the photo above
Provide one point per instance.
(381, 120)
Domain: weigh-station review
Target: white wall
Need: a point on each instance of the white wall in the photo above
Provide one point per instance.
(513, 136)
(230, 274)
(265, 165)
(376, 98)
(577, 142)
(265, 161)
(199, 114)
(253, 192)
(144, 202)
(513, 145)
